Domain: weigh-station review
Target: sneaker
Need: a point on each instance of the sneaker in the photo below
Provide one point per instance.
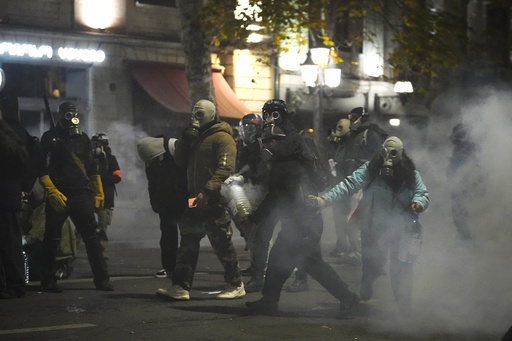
(298, 285)
(105, 286)
(255, 284)
(262, 307)
(163, 274)
(51, 287)
(231, 292)
(176, 292)
(366, 290)
(346, 306)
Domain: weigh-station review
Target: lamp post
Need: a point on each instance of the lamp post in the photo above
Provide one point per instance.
(317, 72)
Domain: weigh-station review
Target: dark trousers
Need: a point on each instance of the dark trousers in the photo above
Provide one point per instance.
(11, 253)
(374, 256)
(215, 223)
(80, 208)
(259, 249)
(168, 240)
(294, 247)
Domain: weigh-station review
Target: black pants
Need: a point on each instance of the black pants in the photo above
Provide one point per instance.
(259, 249)
(169, 239)
(80, 208)
(295, 246)
(11, 254)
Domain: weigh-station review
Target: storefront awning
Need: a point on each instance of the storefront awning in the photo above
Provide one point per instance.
(168, 85)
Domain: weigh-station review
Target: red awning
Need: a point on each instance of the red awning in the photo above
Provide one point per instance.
(168, 85)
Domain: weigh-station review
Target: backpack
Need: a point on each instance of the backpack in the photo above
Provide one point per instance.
(318, 172)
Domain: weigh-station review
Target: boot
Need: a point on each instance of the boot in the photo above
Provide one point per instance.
(255, 284)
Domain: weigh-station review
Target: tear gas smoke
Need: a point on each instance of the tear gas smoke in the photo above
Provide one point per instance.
(462, 286)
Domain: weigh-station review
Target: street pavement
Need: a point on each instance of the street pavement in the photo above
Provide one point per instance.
(134, 312)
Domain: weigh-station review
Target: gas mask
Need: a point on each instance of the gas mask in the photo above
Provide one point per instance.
(392, 151)
(273, 117)
(274, 111)
(342, 129)
(69, 121)
(97, 148)
(357, 117)
(269, 140)
(203, 113)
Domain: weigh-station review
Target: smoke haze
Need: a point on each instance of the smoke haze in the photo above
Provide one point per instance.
(459, 286)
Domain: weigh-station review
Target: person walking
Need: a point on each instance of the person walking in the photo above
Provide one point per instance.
(208, 151)
(298, 242)
(393, 196)
(74, 189)
(363, 140)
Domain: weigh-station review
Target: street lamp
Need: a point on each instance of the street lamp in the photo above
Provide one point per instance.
(317, 72)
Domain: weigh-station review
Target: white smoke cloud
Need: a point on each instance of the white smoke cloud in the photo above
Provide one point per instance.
(464, 287)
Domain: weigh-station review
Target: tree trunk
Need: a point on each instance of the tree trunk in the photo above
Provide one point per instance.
(196, 49)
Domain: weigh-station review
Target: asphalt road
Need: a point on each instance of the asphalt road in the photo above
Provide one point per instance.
(133, 312)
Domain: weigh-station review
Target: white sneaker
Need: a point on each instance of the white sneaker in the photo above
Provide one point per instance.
(176, 293)
(231, 292)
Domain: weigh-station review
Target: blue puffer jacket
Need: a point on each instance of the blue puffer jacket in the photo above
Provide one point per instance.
(380, 211)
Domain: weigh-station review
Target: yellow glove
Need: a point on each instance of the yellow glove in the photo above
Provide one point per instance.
(97, 186)
(57, 199)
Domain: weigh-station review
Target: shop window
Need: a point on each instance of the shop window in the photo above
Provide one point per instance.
(26, 80)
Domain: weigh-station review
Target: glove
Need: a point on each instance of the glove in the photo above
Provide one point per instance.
(57, 199)
(202, 200)
(315, 202)
(97, 187)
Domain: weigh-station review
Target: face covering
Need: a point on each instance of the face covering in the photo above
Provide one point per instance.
(392, 151)
(203, 113)
(69, 121)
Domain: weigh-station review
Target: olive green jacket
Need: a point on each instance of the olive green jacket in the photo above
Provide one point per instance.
(211, 160)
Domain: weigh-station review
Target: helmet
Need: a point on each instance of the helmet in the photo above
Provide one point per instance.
(250, 127)
(274, 111)
(100, 138)
(358, 112)
(203, 112)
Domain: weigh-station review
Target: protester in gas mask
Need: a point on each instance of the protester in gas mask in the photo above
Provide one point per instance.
(393, 196)
(356, 143)
(463, 173)
(110, 176)
(208, 151)
(74, 189)
(298, 242)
